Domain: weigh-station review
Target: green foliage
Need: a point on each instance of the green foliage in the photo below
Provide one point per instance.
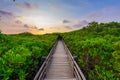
(20, 55)
(96, 45)
(98, 49)
(116, 57)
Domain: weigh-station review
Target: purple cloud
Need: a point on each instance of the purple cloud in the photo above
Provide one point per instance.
(18, 22)
(41, 29)
(5, 13)
(32, 27)
(66, 21)
(26, 26)
(27, 6)
(105, 15)
(68, 27)
(0, 18)
(95, 14)
(81, 24)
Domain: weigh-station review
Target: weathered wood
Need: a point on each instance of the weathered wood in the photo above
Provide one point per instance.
(59, 67)
(77, 71)
(75, 58)
(42, 71)
(61, 79)
(43, 59)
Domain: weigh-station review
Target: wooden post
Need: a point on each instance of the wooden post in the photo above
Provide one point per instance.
(75, 58)
(43, 59)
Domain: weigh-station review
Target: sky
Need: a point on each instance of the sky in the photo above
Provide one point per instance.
(48, 16)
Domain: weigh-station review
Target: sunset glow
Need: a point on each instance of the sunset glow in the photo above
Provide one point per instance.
(48, 16)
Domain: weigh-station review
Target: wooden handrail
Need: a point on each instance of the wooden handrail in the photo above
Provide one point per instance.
(77, 71)
(42, 71)
(74, 66)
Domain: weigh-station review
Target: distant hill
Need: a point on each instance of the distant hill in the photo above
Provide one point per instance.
(26, 34)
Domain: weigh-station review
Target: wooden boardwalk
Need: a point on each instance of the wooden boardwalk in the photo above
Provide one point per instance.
(59, 65)
(59, 69)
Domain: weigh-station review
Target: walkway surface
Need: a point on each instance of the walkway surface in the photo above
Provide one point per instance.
(59, 68)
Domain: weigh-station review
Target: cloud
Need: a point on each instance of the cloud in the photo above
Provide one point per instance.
(18, 22)
(0, 18)
(27, 6)
(9, 19)
(95, 14)
(105, 15)
(32, 27)
(81, 24)
(41, 29)
(68, 27)
(6, 14)
(66, 21)
(76, 24)
(26, 26)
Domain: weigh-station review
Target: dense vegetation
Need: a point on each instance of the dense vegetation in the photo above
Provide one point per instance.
(96, 45)
(20, 55)
(98, 49)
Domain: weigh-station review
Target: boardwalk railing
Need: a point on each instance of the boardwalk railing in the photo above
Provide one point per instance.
(42, 71)
(77, 71)
(74, 66)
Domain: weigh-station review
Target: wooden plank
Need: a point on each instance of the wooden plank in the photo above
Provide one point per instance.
(61, 79)
(59, 65)
(59, 68)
